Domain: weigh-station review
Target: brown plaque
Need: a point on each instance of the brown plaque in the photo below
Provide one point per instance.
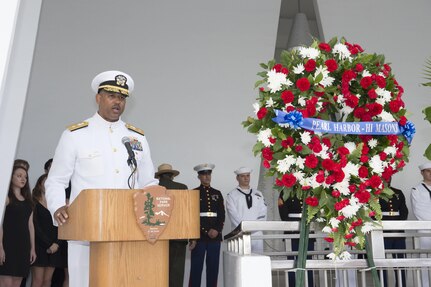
(153, 209)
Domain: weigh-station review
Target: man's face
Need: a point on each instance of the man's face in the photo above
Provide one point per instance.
(111, 105)
(205, 178)
(243, 179)
(426, 173)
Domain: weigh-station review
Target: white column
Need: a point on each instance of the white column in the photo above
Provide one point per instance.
(19, 22)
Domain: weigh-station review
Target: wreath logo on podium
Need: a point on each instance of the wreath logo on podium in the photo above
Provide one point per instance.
(331, 127)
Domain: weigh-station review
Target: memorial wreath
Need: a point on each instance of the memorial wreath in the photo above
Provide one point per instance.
(331, 128)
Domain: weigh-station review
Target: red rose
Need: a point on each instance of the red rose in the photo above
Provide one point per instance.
(287, 96)
(348, 75)
(363, 196)
(303, 84)
(336, 193)
(374, 109)
(359, 68)
(329, 239)
(383, 156)
(366, 82)
(381, 82)
(352, 188)
(327, 142)
(395, 105)
(267, 153)
(311, 161)
(372, 213)
(339, 175)
(348, 236)
(262, 89)
(277, 67)
(340, 217)
(298, 148)
(351, 101)
(278, 182)
(312, 201)
(332, 65)
(325, 47)
(287, 142)
(364, 159)
(261, 113)
(310, 65)
(290, 109)
(330, 179)
(320, 177)
(284, 71)
(403, 120)
(363, 172)
(372, 94)
(350, 243)
(288, 180)
(266, 164)
(328, 164)
(342, 150)
(375, 181)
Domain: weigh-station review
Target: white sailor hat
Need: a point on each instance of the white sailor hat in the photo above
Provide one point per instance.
(426, 165)
(200, 168)
(243, 170)
(113, 81)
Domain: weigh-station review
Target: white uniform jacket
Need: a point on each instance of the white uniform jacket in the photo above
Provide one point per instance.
(94, 157)
(421, 202)
(238, 211)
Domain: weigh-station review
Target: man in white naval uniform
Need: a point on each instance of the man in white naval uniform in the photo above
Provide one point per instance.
(421, 205)
(91, 155)
(245, 203)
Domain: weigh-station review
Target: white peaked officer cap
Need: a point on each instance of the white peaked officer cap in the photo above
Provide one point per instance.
(426, 165)
(243, 170)
(113, 81)
(204, 167)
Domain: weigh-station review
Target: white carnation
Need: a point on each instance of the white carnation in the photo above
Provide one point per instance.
(263, 136)
(300, 162)
(269, 103)
(345, 256)
(284, 165)
(309, 52)
(384, 96)
(343, 187)
(351, 169)
(342, 51)
(387, 117)
(372, 143)
(390, 150)
(351, 146)
(299, 175)
(256, 108)
(326, 229)
(350, 210)
(334, 222)
(376, 164)
(276, 80)
(302, 101)
(367, 227)
(305, 137)
(298, 69)
(365, 73)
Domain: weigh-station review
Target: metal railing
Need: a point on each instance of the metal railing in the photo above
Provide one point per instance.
(412, 269)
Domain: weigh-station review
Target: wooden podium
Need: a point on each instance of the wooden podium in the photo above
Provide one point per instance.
(120, 256)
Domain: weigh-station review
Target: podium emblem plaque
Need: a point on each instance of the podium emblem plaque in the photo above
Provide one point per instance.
(153, 209)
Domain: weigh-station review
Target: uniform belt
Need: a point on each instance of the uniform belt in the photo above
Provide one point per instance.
(390, 213)
(295, 215)
(208, 214)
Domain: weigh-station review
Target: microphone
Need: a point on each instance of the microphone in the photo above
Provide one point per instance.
(131, 159)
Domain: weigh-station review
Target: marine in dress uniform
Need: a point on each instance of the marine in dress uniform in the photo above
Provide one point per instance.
(246, 203)
(290, 209)
(395, 209)
(177, 248)
(212, 216)
(91, 155)
(421, 205)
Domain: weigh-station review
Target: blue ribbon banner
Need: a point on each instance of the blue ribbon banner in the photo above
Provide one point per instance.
(295, 120)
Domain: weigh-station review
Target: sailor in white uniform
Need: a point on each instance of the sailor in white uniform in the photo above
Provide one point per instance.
(421, 205)
(246, 203)
(101, 152)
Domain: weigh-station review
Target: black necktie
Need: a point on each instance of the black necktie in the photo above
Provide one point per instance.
(248, 198)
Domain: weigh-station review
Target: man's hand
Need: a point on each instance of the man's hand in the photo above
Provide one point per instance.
(61, 215)
(212, 233)
(52, 249)
(192, 244)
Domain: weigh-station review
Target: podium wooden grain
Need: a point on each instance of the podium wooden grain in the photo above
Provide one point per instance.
(119, 253)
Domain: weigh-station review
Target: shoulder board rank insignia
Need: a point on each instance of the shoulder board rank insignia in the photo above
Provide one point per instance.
(135, 129)
(77, 126)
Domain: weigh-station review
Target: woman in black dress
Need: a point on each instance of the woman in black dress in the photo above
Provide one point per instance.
(49, 250)
(17, 251)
